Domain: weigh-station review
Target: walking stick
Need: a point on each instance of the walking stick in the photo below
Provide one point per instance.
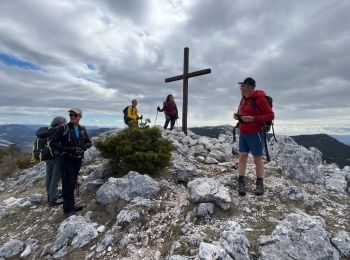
(155, 121)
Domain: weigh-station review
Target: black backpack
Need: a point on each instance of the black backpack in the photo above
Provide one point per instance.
(42, 150)
(125, 112)
(268, 125)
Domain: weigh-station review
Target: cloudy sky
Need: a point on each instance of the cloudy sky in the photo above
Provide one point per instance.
(98, 55)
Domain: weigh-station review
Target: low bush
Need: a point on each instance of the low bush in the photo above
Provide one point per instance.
(137, 149)
(13, 159)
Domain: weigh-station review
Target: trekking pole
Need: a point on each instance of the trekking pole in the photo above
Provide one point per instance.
(177, 124)
(234, 134)
(266, 149)
(155, 121)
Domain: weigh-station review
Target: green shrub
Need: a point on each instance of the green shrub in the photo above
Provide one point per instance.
(137, 149)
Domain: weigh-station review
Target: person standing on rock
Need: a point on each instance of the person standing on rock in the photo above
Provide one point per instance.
(251, 119)
(132, 114)
(53, 168)
(71, 141)
(170, 111)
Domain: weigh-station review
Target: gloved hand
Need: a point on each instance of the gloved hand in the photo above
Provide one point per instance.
(158, 108)
(141, 117)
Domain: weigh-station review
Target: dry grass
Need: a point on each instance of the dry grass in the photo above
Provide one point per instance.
(10, 163)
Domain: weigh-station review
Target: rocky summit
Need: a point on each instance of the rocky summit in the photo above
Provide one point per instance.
(189, 211)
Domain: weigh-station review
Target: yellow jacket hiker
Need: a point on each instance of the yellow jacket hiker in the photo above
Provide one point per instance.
(132, 115)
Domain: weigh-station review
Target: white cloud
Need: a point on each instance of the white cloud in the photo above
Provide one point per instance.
(297, 51)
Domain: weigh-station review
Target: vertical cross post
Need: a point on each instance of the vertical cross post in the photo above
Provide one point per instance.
(185, 76)
(185, 91)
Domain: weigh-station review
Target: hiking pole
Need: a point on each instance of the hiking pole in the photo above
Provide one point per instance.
(155, 121)
(177, 126)
(266, 150)
(234, 134)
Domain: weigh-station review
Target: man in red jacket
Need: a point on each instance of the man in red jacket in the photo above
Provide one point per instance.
(251, 119)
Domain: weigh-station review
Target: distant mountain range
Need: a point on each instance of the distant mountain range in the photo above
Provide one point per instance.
(334, 148)
(24, 135)
(333, 151)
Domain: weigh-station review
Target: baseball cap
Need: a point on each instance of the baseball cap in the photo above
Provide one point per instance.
(76, 110)
(248, 81)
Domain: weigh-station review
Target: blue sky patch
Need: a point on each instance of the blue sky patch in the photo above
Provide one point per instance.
(13, 61)
(91, 66)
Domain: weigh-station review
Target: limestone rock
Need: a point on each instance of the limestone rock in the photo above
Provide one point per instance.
(77, 228)
(210, 251)
(36, 198)
(102, 170)
(127, 188)
(219, 156)
(90, 155)
(205, 210)
(234, 241)
(127, 216)
(11, 248)
(296, 161)
(106, 242)
(335, 178)
(28, 177)
(185, 175)
(298, 236)
(342, 243)
(209, 190)
(210, 160)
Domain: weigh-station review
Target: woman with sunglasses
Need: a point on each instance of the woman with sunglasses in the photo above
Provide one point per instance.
(71, 141)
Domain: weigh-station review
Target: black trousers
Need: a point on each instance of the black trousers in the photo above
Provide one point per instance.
(167, 120)
(70, 170)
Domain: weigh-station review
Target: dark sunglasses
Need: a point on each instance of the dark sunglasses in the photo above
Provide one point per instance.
(75, 115)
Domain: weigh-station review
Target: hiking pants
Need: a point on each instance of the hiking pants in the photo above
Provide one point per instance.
(53, 177)
(70, 171)
(167, 120)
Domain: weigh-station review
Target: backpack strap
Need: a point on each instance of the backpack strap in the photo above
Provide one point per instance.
(239, 121)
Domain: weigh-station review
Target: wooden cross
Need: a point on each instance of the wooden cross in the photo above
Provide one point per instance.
(185, 76)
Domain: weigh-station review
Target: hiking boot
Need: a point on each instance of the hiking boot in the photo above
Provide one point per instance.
(241, 186)
(78, 208)
(55, 204)
(68, 214)
(259, 187)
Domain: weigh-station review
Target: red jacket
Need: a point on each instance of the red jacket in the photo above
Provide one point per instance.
(262, 113)
(170, 109)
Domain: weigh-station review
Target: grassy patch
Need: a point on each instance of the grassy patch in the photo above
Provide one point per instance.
(260, 227)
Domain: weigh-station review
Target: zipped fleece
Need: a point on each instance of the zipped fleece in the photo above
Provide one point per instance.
(263, 112)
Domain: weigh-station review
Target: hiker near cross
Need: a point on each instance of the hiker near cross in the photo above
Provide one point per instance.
(185, 76)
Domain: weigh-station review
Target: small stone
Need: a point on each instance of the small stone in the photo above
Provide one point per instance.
(36, 198)
(46, 227)
(101, 229)
(205, 210)
(27, 251)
